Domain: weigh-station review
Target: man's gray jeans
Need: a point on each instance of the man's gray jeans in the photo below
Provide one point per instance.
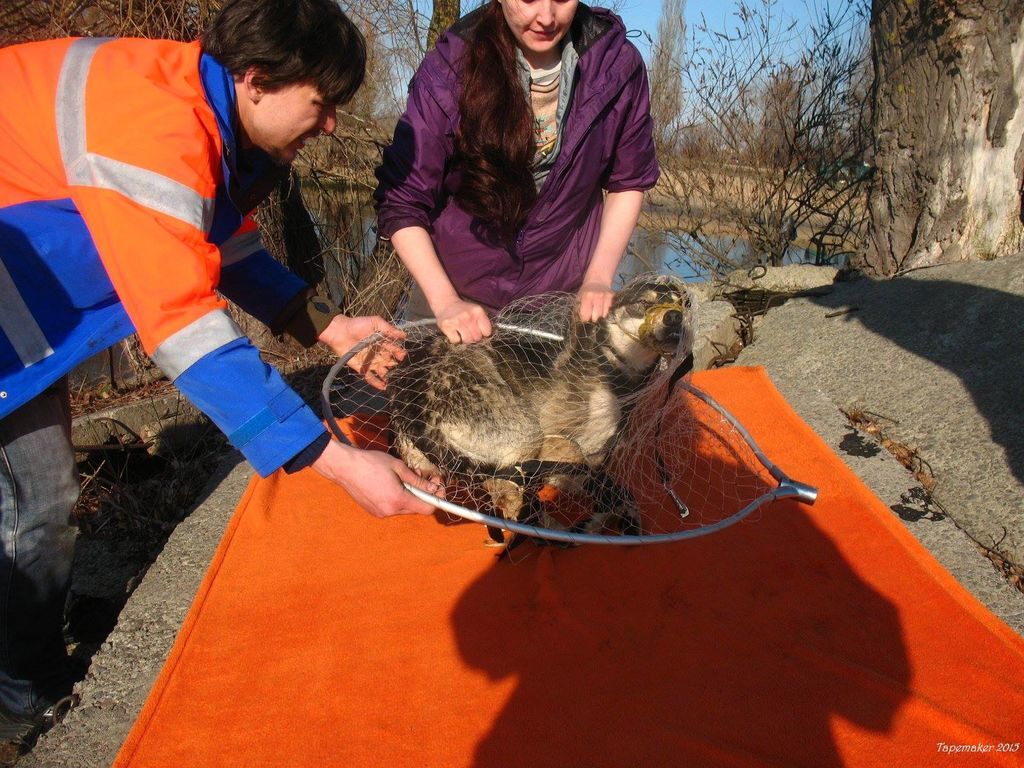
(38, 488)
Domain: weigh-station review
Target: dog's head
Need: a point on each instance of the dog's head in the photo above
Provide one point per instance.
(650, 317)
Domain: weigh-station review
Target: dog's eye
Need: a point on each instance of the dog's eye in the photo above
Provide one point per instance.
(688, 302)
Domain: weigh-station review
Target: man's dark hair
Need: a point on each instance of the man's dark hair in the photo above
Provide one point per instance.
(290, 41)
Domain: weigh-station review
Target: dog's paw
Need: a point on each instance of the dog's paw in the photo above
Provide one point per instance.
(628, 520)
(495, 537)
(505, 496)
(624, 519)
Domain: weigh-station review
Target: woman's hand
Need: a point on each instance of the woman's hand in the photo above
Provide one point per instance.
(618, 220)
(373, 362)
(460, 321)
(595, 301)
(463, 322)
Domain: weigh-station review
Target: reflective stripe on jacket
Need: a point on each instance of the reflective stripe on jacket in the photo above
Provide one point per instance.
(121, 209)
(607, 145)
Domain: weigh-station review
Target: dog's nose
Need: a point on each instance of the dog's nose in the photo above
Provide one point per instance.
(673, 318)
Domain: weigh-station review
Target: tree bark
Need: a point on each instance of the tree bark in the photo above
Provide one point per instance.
(445, 13)
(948, 130)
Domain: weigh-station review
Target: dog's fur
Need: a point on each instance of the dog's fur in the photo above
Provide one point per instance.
(477, 408)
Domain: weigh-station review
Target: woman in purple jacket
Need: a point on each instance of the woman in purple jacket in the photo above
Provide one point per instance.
(519, 121)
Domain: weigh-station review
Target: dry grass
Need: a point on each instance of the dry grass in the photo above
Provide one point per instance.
(130, 490)
(871, 424)
(25, 20)
(906, 455)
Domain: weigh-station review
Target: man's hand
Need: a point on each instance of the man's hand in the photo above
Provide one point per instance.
(374, 362)
(595, 301)
(463, 321)
(374, 480)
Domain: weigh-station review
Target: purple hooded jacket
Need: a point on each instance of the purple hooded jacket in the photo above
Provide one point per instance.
(607, 144)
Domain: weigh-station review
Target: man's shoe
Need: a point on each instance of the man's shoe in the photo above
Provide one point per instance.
(24, 729)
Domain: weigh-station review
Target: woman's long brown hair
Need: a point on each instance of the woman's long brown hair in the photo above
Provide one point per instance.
(494, 144)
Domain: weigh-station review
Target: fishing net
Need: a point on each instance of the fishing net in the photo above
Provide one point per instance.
(564, 430)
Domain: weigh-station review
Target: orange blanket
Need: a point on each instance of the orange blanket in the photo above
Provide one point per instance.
(813, 636)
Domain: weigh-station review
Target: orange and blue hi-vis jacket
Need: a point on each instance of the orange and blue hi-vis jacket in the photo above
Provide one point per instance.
(124, 202)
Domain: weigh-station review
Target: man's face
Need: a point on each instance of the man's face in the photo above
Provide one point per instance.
(539, 26)
(281, 121)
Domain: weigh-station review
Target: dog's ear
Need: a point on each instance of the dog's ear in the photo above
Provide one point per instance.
(630, 293)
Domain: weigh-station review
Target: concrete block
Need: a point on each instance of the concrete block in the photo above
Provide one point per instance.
(717, 331)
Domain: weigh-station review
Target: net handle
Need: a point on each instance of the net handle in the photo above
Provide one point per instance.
(572, 537)
(803, 492)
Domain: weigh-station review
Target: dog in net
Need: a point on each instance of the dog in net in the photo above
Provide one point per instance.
(523, 424)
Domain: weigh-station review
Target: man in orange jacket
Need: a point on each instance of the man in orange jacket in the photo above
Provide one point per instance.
(129, 171)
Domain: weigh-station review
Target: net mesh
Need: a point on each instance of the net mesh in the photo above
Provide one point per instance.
(564, 425)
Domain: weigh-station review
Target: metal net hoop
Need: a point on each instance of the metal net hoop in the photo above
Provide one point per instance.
(691, 467)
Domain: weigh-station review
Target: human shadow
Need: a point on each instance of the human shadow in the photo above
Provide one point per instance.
(743, 648)
(971, 331)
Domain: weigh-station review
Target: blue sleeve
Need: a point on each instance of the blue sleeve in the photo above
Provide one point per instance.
(250, 402)
(260, 285)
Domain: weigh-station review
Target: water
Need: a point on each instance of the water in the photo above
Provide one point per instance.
(351, 230)
(680, 254)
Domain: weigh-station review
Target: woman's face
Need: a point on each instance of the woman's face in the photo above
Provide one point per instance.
(539, 26)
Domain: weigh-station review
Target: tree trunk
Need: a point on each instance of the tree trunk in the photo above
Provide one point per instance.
(446, 13)
(948, 129)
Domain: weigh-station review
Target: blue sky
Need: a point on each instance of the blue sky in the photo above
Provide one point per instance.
(644, 14)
